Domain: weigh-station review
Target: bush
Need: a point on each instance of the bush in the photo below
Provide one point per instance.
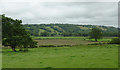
(33, 44)
(53, 45)
(115, 41)
(98, 43)
(60, 45)
(47, 46)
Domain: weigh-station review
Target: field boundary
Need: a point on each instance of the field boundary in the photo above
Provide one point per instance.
(60, 69)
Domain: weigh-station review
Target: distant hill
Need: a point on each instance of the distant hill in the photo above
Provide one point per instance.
(67, 30)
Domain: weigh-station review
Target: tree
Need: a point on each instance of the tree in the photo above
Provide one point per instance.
(44, 33)
(65, 34)
(13, 33)
(95, 33)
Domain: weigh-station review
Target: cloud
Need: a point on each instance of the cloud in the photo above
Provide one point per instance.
(59, 0)
(97, 13)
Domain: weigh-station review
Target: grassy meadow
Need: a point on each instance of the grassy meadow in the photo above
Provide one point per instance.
(79, 53)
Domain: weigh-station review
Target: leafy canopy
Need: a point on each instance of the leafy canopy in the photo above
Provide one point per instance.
(14, 34)
(95, 33)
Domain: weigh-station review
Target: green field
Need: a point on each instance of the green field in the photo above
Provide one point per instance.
(75, 38)
(78, 54)
(82, 56)
(57, 45)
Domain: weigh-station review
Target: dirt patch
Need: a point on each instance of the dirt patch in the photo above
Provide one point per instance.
(62, 42)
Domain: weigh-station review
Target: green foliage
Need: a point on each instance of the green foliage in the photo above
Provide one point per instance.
(33, 44)
(115, 41)
(100, 43)
(13, 33)
(54, 45)
(47, 46)
(44, 33)
(67, 30)
(95, 33)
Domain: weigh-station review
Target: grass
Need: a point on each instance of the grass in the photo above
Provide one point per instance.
(78, 54)
(71, 38)
(78, 38)
(81, 56)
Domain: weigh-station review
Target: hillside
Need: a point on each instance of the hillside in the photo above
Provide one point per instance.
(67, 30)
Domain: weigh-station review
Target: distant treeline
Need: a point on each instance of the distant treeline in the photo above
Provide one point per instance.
(67, 30)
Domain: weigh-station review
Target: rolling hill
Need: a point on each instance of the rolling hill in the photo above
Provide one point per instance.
(67, 30)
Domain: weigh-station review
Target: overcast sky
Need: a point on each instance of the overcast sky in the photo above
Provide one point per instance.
(94, 13)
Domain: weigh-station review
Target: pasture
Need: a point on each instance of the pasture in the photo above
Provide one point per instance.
(78, 55)
(82, 56)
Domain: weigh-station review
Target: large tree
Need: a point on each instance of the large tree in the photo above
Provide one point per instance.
(13, 33)
(95, 33)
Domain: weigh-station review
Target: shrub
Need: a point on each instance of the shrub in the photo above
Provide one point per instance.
(47, 46)
(98, 43)
(115, 41)
(60, 45)
(53, 45)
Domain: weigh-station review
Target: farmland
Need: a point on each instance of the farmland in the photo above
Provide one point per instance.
(72, 38)
(78, 55)
(68, 40)
(81, 56)
(48, 35)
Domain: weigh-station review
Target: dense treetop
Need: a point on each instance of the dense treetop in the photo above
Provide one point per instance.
(14, 34)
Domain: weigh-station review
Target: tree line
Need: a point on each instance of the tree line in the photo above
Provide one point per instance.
(67, 30)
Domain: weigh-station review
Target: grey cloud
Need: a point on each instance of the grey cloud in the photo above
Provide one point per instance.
(104, 13)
